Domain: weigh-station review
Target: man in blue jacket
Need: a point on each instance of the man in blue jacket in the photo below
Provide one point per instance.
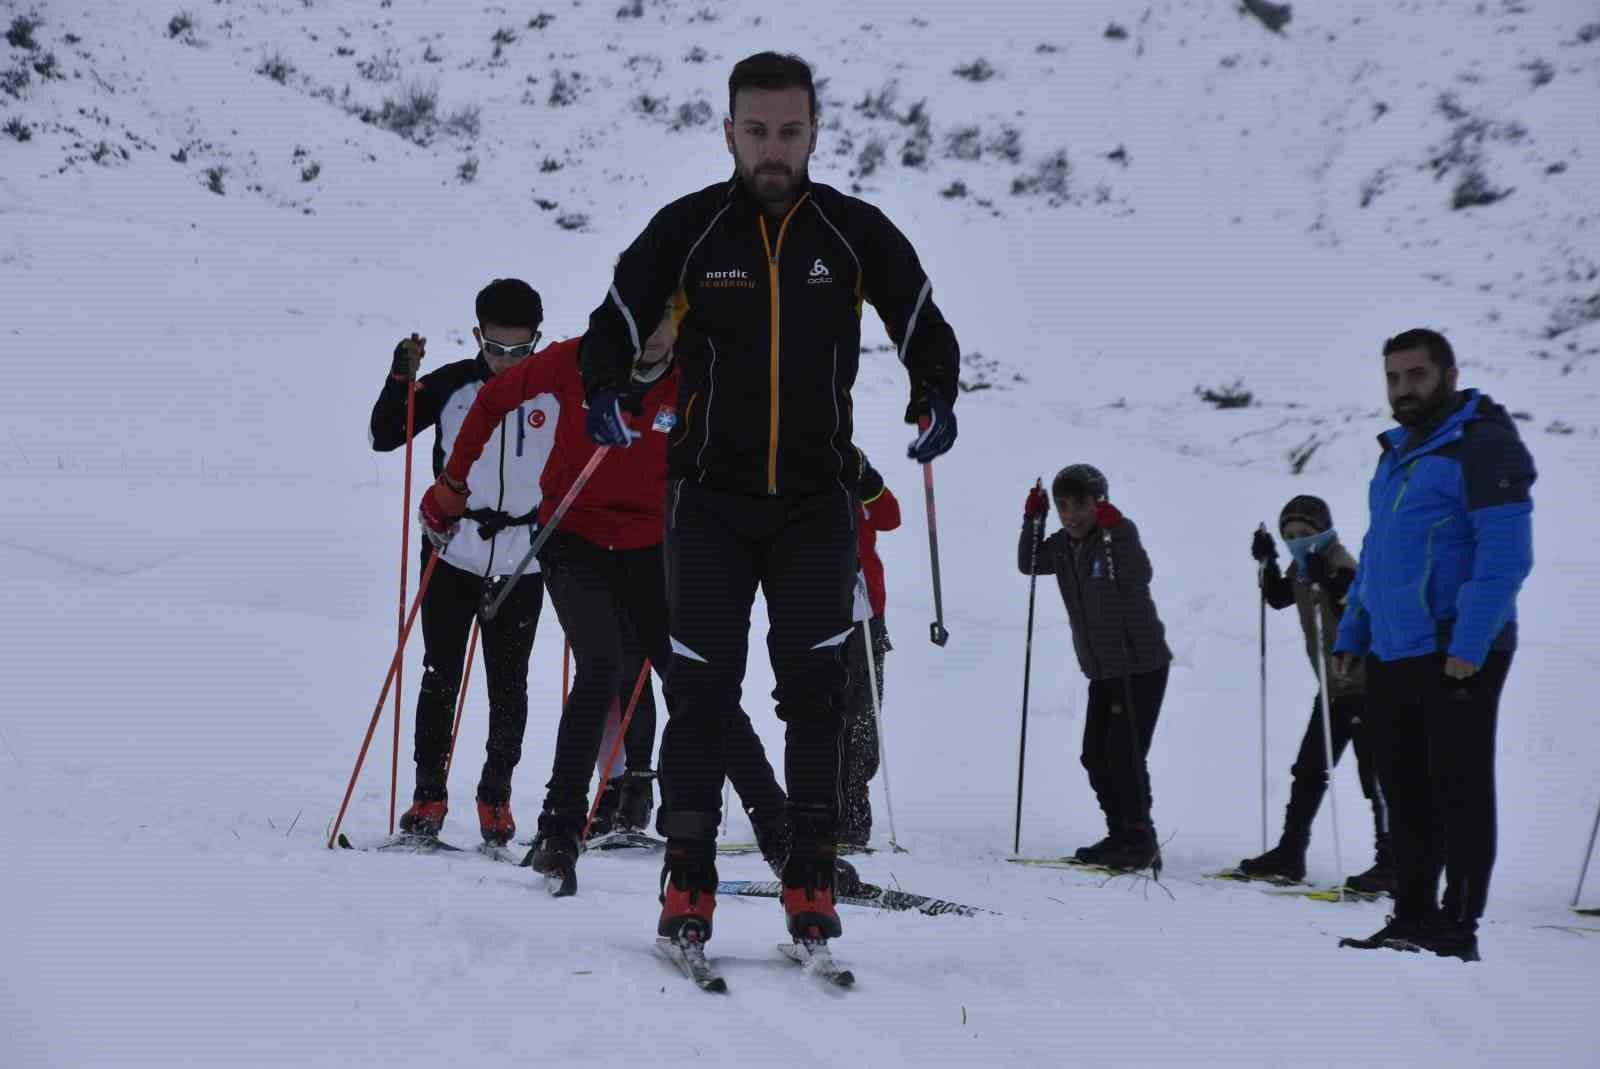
(1433, 610)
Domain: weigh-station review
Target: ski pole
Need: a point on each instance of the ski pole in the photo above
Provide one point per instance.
(1327, 735)
(490, 607)
(461, 699)
(616, 747)
(936, 630)
(883, 745)
(400, 621)
(377, 710)
(1139, 774)
(1027, 671)
(1261, 587)
(1587, 854)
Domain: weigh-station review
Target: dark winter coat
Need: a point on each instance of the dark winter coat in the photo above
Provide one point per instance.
(1115, 628)
(770, 334)
(1292, 588)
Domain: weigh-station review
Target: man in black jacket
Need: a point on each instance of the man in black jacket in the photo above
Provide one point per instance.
(762, 474)
(1104, 575)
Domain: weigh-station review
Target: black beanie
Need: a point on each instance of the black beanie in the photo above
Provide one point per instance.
(1312, 510)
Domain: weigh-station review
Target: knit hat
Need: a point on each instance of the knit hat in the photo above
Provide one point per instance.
(1306, 509)
(1079, 480)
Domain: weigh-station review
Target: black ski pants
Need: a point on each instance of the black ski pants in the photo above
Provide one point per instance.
(1438, 758)
(861, 730)
(449, 606)
(1118, 773)
(1347, 718)
(599, 595)
(800, 551)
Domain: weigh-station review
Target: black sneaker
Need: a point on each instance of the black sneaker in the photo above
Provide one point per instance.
(1378, 880)
(1095, 855)
(1452, 940)
(1400, 933)
(1285, 862)
(1135, 849)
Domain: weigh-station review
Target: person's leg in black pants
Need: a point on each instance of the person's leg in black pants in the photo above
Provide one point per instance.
(448, 606)
(507, 644)
(1128, 770)
(582, 587)
(1396, 700)
(1460, 724)
(808, 569)
(1097, 723)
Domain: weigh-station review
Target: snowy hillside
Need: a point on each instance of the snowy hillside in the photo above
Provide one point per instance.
(215, 222)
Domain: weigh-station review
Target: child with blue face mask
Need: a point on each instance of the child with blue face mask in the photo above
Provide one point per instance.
(1317, 581)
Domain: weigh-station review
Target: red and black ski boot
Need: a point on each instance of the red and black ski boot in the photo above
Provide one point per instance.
(808, 892)
(425, 817)
(495, 822)
(688, 891)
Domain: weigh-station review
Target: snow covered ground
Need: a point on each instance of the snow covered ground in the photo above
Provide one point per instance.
(199, 553)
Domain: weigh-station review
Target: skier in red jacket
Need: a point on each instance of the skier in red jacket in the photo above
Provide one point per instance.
(879, 511)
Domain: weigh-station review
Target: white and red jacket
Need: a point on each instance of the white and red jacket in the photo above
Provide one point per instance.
(514, 448)
(623, 505)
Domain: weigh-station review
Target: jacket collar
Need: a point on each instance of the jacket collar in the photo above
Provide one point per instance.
(1396, 439)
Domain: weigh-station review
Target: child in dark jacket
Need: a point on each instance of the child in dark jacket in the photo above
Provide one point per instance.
(1104, 575)
(1317, 582)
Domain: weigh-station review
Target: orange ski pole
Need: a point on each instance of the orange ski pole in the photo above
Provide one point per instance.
(377, 710)
(616, 747)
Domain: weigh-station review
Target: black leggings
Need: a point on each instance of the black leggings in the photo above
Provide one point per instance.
(1118, 775)
(448, 608)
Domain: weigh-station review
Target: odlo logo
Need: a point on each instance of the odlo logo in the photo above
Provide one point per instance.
(819, 274)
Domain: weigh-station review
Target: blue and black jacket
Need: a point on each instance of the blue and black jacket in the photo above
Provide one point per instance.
(1450, 541)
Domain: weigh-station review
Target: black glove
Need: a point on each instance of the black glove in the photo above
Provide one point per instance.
(1263, 548)
(936, 435)
(605, 423)
(871, 484)
(1320, 571)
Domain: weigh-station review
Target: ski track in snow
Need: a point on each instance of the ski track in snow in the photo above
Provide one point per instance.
(200, 564)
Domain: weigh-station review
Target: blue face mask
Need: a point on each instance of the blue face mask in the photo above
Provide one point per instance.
(1301, 548)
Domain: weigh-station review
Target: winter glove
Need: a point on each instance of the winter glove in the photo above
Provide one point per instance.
(407, 357)
(1106, 515)
(1317, 570)
(1038, 503)
(936, 423)
(440, 511)
(605, 423)
(871, 484)
(1263, 548)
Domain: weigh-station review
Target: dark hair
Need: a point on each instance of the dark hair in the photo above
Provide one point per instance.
(1439, 350)
(510, 302)
(772, 70)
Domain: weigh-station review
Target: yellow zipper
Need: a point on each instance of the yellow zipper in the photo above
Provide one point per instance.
(773, 252)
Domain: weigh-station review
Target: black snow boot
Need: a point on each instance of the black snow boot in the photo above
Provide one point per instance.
(555, 855)
(1410, 934)
(1284, 863)
(637, 801)
(1136, 848)
(605, 814)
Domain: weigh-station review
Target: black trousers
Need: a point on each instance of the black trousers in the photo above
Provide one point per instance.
(801, 553)
(601, 596)
(1117, 773)
(448, 608)
(1438, 759)
(861, 730)
(1348, 719)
